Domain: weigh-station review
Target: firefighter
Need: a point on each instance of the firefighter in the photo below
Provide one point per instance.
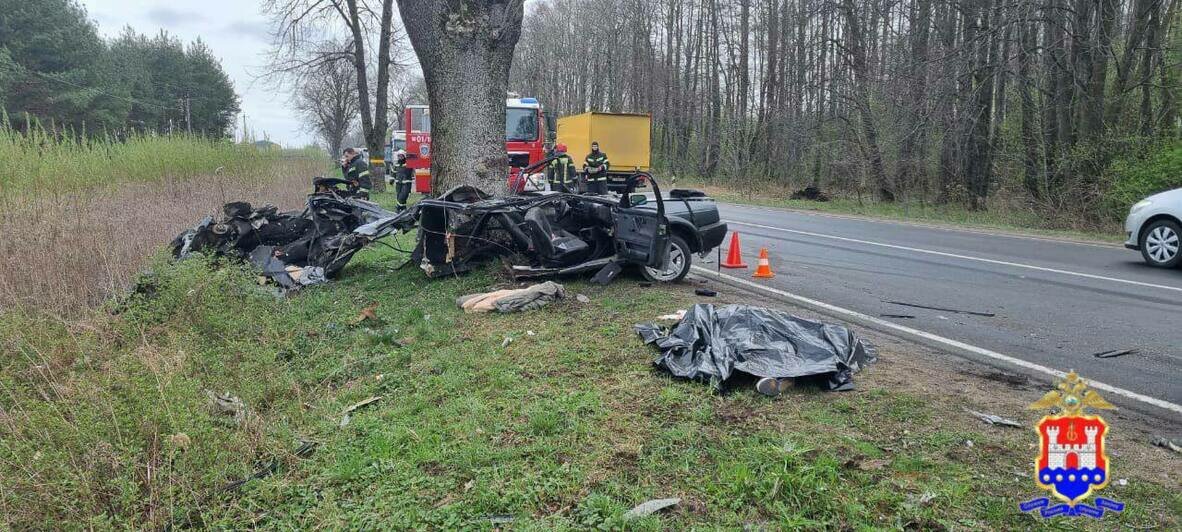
(356, 172)
(596, 166)
(561, 173)
(403, 179)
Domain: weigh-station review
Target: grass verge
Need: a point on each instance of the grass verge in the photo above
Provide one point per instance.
(1001, 216)
(106, 422)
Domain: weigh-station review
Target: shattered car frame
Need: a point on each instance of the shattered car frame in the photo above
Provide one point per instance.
(538, 234)
(542, 234)
(295, 248)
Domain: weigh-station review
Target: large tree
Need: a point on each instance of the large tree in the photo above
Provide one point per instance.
(466, 48)
(309, 34)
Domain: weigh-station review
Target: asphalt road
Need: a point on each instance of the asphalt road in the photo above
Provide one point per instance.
(1054, 303)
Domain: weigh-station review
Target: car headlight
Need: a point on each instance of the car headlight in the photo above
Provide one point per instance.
(1140, 205)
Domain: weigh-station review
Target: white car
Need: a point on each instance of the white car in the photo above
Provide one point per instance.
(1154, 226)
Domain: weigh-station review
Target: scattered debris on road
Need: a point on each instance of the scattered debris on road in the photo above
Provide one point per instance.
(651, 507)
(898, 316)
(942, 309)
(705, 292)
(1113, 353)
(710, 343)
(514, 300)
(994, 419)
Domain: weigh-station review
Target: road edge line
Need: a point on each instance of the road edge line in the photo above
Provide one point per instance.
(1005, 263)
(930, 339)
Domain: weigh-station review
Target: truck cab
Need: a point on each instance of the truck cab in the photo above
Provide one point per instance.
(525, 140)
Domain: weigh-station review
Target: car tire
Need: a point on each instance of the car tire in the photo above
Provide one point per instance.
(680, 260)
(1161, 244)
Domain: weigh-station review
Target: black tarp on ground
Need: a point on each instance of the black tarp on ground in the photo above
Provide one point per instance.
(712, 342)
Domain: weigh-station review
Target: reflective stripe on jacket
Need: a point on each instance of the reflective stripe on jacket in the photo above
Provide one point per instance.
(595, 160)
(562, 170)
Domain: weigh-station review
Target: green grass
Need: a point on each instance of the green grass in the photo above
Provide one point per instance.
(566, 428)
(1020, 219)
(39, 162)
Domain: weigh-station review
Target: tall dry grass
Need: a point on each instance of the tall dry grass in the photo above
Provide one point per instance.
(79, 217)
(63, 253)
(42, 161)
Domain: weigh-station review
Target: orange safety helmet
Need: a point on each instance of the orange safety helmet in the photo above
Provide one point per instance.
(560, 148)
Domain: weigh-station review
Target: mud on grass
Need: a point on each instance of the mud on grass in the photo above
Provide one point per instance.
(104, 422)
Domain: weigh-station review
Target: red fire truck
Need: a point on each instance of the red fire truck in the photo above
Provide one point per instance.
(525, 139)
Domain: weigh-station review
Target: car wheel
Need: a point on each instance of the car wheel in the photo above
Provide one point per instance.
(1160, 244)
(680, 259)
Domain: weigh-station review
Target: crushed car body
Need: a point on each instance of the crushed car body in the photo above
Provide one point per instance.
(538, 234)
(544, 234)
(296, 248)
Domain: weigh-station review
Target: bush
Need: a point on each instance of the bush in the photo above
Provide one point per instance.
(1134, 177)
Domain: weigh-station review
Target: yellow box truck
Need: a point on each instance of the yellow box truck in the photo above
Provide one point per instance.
(624, 137)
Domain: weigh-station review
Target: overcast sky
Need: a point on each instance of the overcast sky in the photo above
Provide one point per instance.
(236, 33)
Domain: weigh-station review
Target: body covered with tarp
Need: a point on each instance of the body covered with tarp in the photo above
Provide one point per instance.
(711, 343)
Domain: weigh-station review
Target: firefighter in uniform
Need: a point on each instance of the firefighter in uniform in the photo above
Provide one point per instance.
(561, 173)
(596, 166)
(356, 172)
(403, 179)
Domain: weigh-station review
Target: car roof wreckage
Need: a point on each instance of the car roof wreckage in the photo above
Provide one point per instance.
(537, 234)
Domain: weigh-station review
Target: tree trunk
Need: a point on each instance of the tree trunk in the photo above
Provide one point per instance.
(886, 192)
(465, 48)
(373, 115)
(910, 167)
(1094, 113)
(1032, 177)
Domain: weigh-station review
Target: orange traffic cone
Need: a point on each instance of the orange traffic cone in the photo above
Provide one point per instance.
(734, 258)
(764, 269)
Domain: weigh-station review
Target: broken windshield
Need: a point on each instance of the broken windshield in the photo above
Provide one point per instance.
(521, 125)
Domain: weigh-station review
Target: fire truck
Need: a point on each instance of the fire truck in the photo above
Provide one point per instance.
(526, 137)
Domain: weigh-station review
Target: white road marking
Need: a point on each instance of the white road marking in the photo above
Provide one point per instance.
(932, 339)
(962, 257)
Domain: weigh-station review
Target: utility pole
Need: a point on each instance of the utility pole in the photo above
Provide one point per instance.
(188, 115)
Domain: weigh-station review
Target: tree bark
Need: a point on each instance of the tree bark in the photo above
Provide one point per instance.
(885, 190)
(466, 48)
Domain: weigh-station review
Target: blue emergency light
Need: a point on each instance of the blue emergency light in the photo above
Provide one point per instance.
(529, 100)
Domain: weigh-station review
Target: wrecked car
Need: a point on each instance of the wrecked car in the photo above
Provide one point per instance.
(555, 233)
(296, 248)
(537, 234)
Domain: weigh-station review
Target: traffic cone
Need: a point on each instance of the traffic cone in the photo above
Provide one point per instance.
(764, 269)
(734, 258)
